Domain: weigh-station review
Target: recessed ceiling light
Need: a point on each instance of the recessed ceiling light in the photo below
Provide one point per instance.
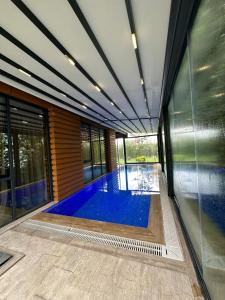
(24, 122)
(142, 81)
(120, 112)
(63, 94)
(85, 107)
(70, 60)
(40, 116)
(14, 108)
(112, 103)
(24, 72)
(98, 88)
(134, 40)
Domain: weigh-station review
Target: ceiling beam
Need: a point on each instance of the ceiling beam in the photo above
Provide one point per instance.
(19, 67)
(137, 53)
(31, 16)
(78, 12)
(34, 88)
(37, 58)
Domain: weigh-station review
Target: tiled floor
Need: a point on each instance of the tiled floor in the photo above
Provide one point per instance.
(58, 267)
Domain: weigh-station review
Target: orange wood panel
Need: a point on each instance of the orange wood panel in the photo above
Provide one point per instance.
(111, 149)
(65, 144)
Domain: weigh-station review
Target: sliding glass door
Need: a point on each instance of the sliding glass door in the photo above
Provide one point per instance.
(5, 182)
(24, 178)
(93, 151)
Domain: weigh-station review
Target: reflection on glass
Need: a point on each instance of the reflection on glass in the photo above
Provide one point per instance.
(29, 155)
(120, 151)
(164, 148)
(103, 153)
(5, 189)
(29, 178)
(197, 114)
(142, 178)
(5, 202)
(86, 153)
(142, 149)
(93, 151)
(207, 47)
(96, 154)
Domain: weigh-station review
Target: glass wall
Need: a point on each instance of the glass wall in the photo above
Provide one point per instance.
(93, 151)
(197, 124)
(120, 151)
(103, 153)
(142, 149)
(23, 159)
(5, 182)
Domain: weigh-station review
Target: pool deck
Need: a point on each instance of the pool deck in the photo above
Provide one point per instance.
(57, 267)
(153, 233)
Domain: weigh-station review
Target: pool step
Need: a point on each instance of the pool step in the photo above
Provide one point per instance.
(101, 238)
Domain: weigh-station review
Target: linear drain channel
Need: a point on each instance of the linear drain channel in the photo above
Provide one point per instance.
(4, 257)
(101, 238)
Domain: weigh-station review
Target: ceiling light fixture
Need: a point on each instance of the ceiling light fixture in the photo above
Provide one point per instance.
(85, 107)
(24, 72)
(70, 60)
(40, 116)
(98, 88)
(134, 40)
(120, 112)
(63, 94)
(112, 103)
(24, 122)
(142, 81)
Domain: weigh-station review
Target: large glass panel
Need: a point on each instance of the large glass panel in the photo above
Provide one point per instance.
(5, 202)
(207, 48)
(164, 148)
(96, 152)
(183, 153)
(28, 130)
(103, 153)
(120, 151)
(86, 153)
(5, 188)
(142, 149)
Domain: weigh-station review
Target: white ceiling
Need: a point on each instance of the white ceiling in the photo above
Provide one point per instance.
(109, 22)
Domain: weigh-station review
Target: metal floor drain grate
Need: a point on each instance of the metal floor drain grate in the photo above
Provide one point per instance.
(4, 257)
(102, 238)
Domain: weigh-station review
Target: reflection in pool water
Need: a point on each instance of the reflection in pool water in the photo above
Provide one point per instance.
(121, 197)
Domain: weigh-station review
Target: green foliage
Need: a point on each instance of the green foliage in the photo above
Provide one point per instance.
(141, 159)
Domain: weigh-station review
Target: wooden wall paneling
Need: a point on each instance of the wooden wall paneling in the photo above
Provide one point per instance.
(111, 150)
(65, 144)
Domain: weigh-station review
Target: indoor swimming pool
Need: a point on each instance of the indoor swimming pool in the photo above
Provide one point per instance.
(121, 197)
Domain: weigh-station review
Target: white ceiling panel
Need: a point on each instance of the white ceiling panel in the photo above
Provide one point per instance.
(110, 24)
(65, 26)
(15, 54)
(151, 20)
(109, 21)
(29, 35)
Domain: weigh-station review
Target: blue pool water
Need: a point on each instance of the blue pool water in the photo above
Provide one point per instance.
(121, 197)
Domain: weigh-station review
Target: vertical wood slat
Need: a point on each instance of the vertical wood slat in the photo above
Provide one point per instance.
(66, 179)
(111, 149)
